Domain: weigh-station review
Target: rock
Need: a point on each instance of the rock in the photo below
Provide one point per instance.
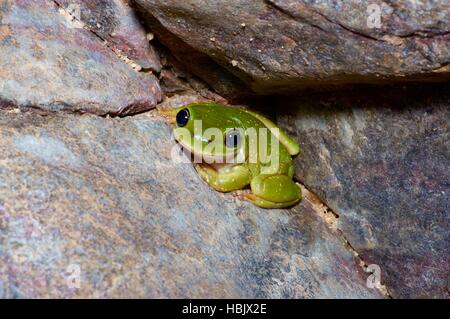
(177, 82)
(277, 46)
(51, 63)
(101, 199)
(200, 64)
(380, 159)
(115, 22)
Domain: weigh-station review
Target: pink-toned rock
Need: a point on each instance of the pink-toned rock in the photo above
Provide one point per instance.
(50, 62)
(115, 22)
(101, 202)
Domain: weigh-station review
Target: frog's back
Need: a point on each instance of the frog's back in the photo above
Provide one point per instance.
(233, 117)
(226, 115)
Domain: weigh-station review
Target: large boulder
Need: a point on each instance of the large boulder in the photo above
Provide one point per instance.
(279, 46)
(49, 61)
(380, 159)
(97, 207)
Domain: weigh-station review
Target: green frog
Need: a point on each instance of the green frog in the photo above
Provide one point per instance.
(234, 148)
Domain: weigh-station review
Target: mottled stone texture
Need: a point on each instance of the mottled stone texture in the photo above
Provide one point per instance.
(380, 159)
(115, 22)
(283, 45)
(51, 63)
(105, 195)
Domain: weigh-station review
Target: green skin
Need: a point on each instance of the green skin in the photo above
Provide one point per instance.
(271, 183)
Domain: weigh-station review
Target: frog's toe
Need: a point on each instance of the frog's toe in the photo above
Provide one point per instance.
(245, 194)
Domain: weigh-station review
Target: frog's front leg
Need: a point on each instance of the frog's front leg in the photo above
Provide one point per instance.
(273, 191)
(227, 179)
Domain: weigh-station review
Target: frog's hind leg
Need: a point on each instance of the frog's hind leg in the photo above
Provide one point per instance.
(226, 180)
(273, 191)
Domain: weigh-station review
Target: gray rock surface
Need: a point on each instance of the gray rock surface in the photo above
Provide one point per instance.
(49, 62)
(380, 159)
(102, 196)
(279, 46)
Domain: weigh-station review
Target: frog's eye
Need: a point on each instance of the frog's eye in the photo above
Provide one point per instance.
(233, 138)
(183, 117)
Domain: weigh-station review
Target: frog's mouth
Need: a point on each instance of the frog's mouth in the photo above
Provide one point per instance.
(204, 150)
(208, 157)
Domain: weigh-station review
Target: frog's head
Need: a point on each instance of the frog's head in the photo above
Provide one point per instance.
(209, 131)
